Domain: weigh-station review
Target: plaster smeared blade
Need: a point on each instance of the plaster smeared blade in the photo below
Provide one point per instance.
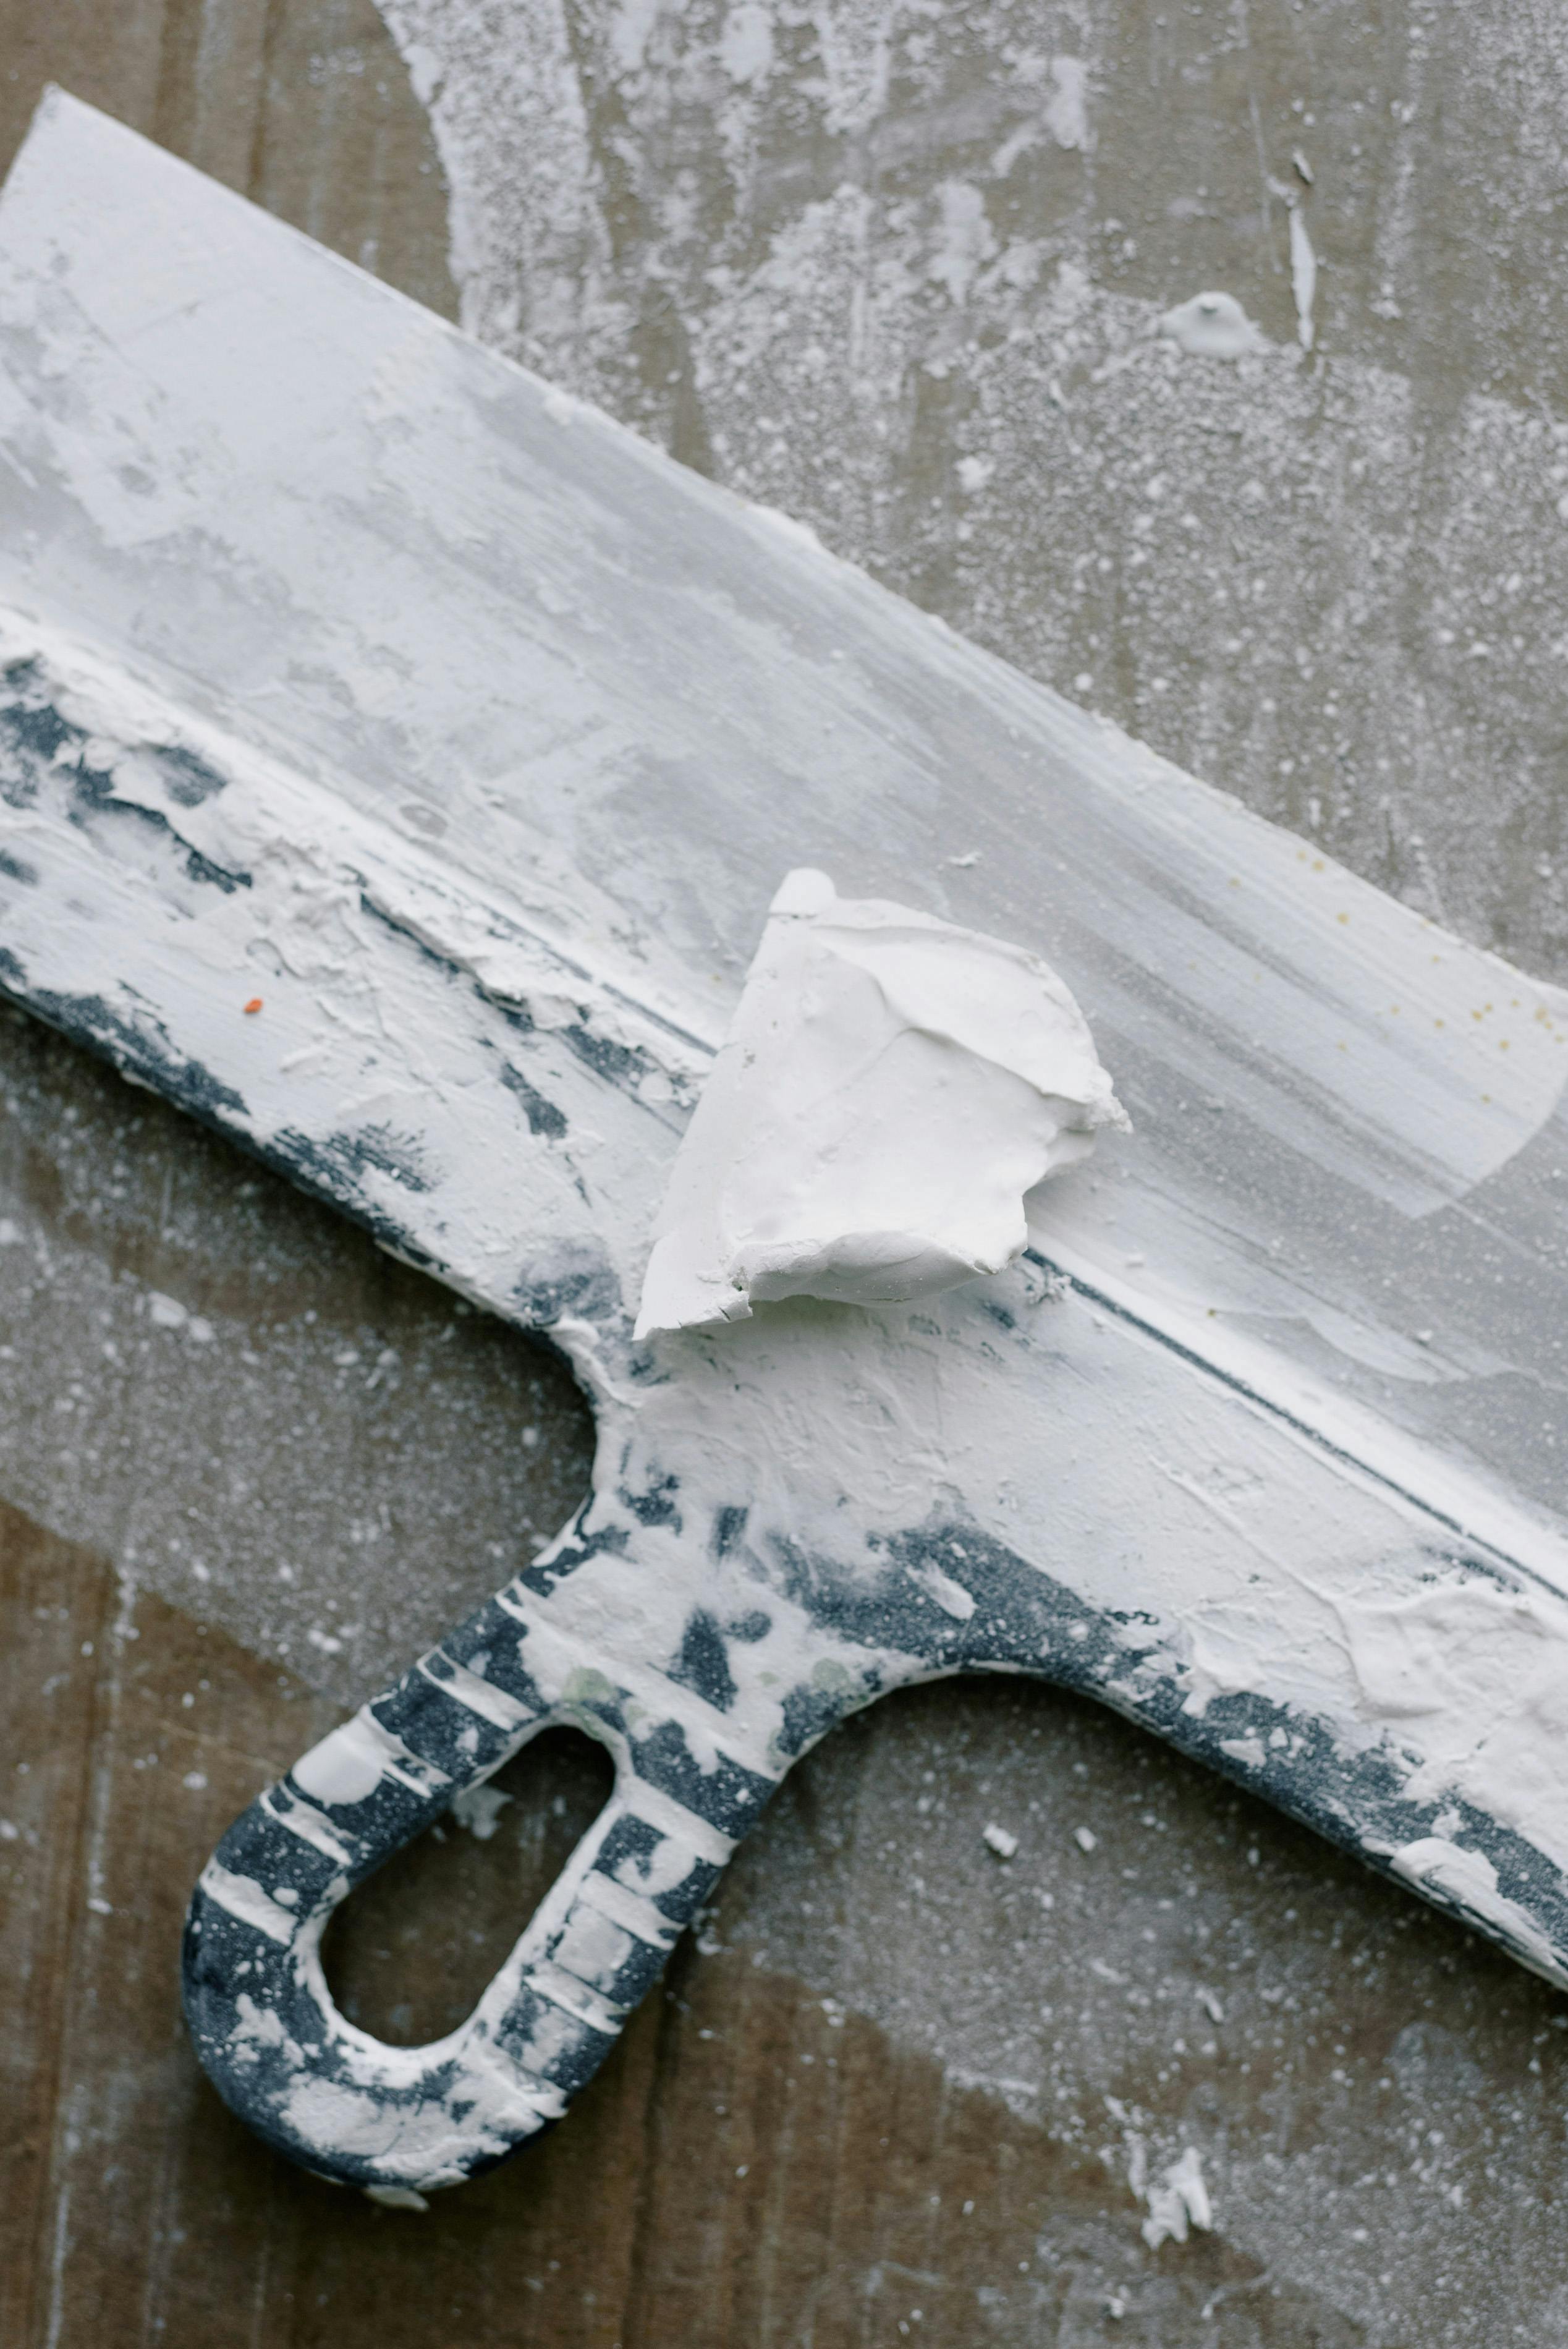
(343, 666)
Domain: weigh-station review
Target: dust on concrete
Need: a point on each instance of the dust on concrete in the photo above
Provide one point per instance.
(256, 1412)
(898, 269)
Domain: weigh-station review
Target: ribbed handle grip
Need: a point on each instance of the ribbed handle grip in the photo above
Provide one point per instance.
(389, 2118)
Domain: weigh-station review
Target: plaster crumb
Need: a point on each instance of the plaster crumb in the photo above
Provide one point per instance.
(396, 2197)
(1179, 2201)
(1085, 1838)
(1212, 326)
(479, 1809)
(1003, 1844)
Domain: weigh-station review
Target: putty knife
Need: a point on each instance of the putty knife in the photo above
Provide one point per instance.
(351, 671)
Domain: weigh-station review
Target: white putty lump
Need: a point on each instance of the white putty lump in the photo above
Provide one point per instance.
(891, 1088)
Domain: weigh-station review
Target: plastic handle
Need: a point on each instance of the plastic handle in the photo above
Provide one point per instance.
(389, 2118)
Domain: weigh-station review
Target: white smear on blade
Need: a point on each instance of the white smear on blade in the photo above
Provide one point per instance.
(1469, 1879)
(1475, 1676)
(1212, 326)
(950, 1596)
(1303, 278)
(891, 1088)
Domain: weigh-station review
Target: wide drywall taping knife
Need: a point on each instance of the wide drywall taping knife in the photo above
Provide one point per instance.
(351, 667)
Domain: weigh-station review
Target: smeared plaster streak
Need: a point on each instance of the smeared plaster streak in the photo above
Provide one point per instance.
(1302, 278)
(1469, 1880)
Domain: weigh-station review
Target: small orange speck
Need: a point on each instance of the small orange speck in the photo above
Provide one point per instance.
(1440, 1023)
(1503, 1044)
(1317, 863)
(1342, 918)
(254, 1004)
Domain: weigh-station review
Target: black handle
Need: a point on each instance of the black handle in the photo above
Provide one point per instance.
(390, 2119)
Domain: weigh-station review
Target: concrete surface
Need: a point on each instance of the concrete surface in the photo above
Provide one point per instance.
(896, 269)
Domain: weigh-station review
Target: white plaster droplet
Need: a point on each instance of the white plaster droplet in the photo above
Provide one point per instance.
(1213, 326)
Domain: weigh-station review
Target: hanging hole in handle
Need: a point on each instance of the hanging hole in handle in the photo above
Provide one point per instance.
(409, 1953)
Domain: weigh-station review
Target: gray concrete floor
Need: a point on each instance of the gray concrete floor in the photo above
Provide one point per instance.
(898, 270)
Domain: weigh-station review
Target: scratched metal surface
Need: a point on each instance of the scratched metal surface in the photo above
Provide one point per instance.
(1437, 2056)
